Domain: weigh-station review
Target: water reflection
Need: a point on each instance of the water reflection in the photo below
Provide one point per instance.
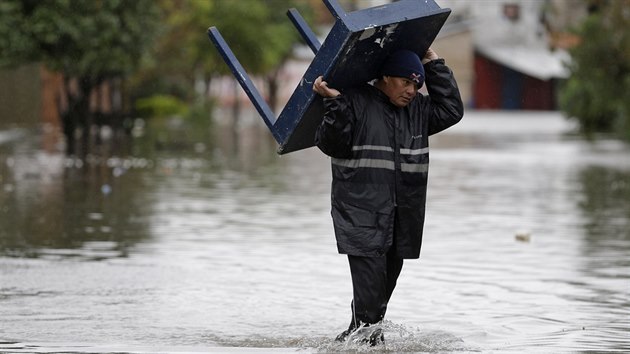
(606, 206)
(606, 213)
(211, 243)
(62, 207)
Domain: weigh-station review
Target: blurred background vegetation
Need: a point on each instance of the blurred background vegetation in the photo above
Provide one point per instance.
(597, 93)
(155, 56)
(156, 61)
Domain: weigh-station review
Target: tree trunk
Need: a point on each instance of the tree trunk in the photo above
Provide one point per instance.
(76, 115)
(236, 115)
(68, 118)
(85, 118)
(272, 87)
(208, 82)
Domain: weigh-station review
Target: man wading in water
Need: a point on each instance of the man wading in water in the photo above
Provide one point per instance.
(377, 136)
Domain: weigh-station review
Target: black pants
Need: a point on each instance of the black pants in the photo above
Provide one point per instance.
(373, 282)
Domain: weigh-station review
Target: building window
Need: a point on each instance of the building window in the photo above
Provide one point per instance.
(512, 12)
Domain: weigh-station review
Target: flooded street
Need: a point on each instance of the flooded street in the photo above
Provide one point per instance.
(231, 248)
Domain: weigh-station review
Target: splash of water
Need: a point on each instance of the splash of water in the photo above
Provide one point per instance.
(398, 338)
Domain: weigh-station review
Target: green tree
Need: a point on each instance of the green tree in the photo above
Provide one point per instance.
(597, 93)
(88, 42)
(182, 55)
(258, 31)
(261, 36)
(280, 38)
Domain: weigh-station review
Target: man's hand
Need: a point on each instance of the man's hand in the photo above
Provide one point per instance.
(321, 87)
(429, 55)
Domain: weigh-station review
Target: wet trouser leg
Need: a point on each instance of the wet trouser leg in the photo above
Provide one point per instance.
(373, 282)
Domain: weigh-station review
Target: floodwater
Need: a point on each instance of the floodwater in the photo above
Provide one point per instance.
(227, 247)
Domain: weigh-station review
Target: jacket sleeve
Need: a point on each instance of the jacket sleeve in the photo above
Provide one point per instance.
(334, 134)
(446, 107)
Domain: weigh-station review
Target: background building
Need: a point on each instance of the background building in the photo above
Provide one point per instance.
(518, 51)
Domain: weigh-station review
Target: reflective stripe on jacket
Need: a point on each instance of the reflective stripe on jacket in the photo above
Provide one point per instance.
(380, 160)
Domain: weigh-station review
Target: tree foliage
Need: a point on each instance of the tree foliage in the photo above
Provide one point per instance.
(88, 42)
(157, 46)
(258, 32)
(86, 39)
(261, 35)
(598, 92)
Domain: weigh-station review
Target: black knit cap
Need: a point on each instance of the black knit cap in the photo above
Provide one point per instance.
(404, 63)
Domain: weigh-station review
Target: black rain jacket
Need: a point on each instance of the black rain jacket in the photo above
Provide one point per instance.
(380, 159)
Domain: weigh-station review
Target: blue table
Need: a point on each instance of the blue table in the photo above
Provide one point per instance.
(351, 54)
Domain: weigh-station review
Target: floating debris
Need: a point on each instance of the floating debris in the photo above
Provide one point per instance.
(523, 236)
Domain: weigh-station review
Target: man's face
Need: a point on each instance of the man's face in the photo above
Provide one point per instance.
(399, 90)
